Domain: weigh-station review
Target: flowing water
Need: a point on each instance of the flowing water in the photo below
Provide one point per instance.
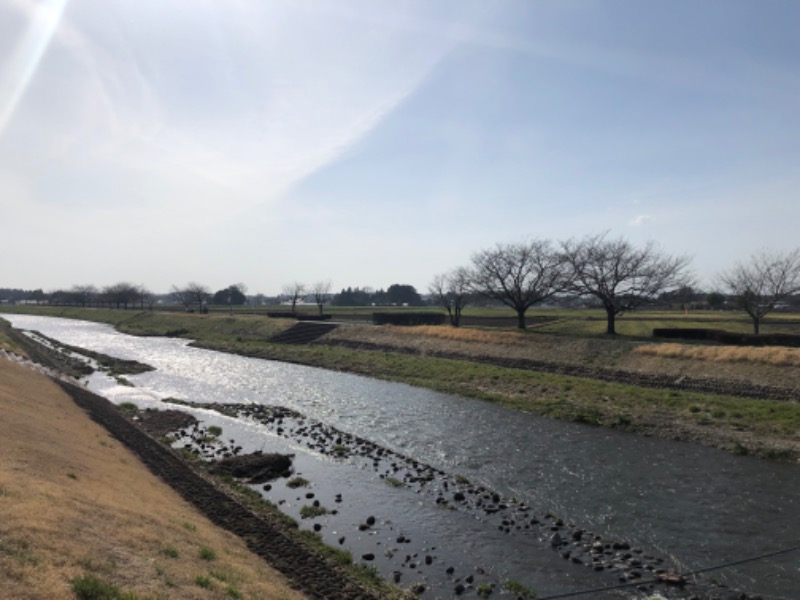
(698, 506)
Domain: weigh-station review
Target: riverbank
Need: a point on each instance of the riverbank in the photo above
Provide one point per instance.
(81, 513)
(508, 367)
(377, 458)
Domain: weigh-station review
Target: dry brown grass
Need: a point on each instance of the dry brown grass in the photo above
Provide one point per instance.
(777, 356)
(460, 334)
(74, 501)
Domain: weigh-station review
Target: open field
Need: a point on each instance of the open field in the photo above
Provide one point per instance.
(571, 322)
(79, 509)
(470, 362)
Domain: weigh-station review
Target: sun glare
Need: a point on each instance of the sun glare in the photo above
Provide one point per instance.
(18, 72)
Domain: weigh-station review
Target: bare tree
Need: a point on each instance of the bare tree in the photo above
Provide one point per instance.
(121, 294)
(760, 284)
(192, 293)
(452, 291)
(321, 290)
(294, 291)
(145, 297)
(622, 276)
(83, 294)
(519, 275)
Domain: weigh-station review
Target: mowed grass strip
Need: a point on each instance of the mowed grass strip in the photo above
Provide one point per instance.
(81, 512)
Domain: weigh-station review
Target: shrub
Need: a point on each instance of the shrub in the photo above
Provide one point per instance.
(728, 337)
(408, 318)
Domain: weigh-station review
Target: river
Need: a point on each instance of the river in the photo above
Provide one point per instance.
(696, 506)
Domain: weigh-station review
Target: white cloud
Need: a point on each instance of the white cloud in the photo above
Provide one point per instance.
(640, 220)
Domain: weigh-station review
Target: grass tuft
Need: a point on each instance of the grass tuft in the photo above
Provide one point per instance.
(308, 511)
(207, 554)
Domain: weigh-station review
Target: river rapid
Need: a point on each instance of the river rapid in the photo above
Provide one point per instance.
(695, 506)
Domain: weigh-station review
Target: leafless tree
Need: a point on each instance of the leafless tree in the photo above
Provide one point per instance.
(519, 275)
(321, 290)
(145, 297)
(83, 294)
(761, 283)
(452, 291)
(121, 294)
(620, 275)
(294, 291)
(190, 294)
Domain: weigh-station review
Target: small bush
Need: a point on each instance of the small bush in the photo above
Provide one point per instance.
(203, 581)
(170, 552)
(215, 431)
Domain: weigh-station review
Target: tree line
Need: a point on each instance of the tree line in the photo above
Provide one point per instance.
(617, 274)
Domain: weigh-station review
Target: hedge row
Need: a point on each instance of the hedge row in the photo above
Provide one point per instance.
(408, 318)
(298, 316)
(727, 337)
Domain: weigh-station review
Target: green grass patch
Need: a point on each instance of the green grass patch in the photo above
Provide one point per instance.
(515, 587)
(90, 587)
(297, 482)
(309, 511)
(129, 408)
(207, 554)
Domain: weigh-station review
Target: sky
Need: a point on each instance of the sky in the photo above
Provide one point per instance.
(369, 143)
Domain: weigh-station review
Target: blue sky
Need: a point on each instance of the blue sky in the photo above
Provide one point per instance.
(371, 143)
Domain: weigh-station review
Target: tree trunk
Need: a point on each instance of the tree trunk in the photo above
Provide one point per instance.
(520, 319)
(756, 325)
(610, 328)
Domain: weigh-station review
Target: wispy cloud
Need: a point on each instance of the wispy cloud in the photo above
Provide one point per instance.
(640, 220)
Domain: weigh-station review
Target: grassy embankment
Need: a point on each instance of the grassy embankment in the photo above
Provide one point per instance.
(764, 427)
(83, 518)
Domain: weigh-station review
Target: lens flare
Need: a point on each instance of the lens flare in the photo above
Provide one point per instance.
(20, 68)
